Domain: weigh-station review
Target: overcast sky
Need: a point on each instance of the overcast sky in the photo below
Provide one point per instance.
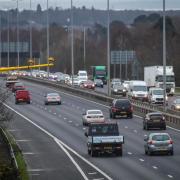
(97, 4)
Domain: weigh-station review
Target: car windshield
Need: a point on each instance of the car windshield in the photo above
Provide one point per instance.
(82, 74)
(156, 116)
(140, 88)
(98, 80)
(122, 103)
(53, 94)
(94, 112)
(118, 86)
(158, 92)
(177, 101)
(18, 84)
(163, 137)
(104, 130)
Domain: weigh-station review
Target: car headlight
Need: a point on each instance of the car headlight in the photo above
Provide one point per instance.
(177, 106)
(166, 98)
(115, 90)
(124, 90)
(172, 90)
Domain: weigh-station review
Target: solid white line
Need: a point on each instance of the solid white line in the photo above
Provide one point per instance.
(23, 140)
(35, 170)
(70, 149)
(71, 158)
(178, 130)
(130, 153)
(98, 179)
(28, 153)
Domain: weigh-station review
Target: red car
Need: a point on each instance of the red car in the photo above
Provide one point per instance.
(88, 84)
(22, 96)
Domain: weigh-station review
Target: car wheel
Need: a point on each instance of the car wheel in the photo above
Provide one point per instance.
(147, 128)
(145, 151)
(164, 128)
(113, 116)
(171, 153)
(149, 152)
(119, 153)
(93, 153)
(46, 103)
(89, 151)
(28, 102)
(110, 115)
(16, 102)
(59, 103)
(130, 116)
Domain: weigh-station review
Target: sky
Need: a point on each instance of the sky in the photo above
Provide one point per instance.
(97, 4)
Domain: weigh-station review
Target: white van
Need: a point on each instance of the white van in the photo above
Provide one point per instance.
(138, 90)
(82, 76)
(156, 96)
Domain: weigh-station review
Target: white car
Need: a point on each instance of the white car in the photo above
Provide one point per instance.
(93, 115)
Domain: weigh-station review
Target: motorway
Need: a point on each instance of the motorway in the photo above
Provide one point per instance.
(54, 146)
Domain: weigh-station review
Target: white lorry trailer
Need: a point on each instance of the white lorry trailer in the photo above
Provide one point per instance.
(153, 76)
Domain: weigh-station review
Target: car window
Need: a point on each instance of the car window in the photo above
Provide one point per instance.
(104, 130)
(94, 112)
(122, 103)
(163, 137)
(156, 116)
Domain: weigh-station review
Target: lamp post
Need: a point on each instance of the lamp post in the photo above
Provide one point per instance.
(72, 43)
(0, 42)
(30, 32)
(8, 38)
(108, 50)
(84, 33)
(164, 53)
(47, 28)
(17, 21)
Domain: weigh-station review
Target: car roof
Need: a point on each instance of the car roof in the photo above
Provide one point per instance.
(154, 134)
(91, 110)
(54, 93)
(154, 113)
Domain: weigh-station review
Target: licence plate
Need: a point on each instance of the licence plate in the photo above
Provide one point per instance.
(108, 148)
(123, 112)
(156, 120)
(20, 99)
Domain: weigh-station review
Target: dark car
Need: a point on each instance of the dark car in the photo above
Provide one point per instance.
(118, 89)
(121, 107)
(158, 143)
(154, 120)
(176, 104)
(88, 84)
(22, 96)
(18, 86)
(98, 83)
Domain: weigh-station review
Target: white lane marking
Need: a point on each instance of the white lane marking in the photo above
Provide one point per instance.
(155, 167)
(126, 127)
(36, 170)
(28, 153)
(98, 179)
(23, 140)
(77, 124)
(84, 128)
(106, 106)
(45, 108)
(135, 131)
(13, 130)
(54, 113)
(65, 118)
(60, 116)
(92, 173)
(170, 176)
(130, 153)
(71, 158)
(70, 149)
(142, 160)
(70, 121)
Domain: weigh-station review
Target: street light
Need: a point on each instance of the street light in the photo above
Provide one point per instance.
(72, 43)
(8, 37)
(30, 32)
(164, 53)
(108, 50)
(47, 38)
(17, 21)
(84, 32)
(0, 42)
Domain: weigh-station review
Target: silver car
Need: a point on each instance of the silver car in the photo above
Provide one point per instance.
(52, 98)
(158, 142)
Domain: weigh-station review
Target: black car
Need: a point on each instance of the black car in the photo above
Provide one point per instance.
(98, 83)
(154, 120)
(121, 107)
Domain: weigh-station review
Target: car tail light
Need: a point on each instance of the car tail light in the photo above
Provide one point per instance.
(150, 142)
(170, 141)
(163, 118)
(114, 109)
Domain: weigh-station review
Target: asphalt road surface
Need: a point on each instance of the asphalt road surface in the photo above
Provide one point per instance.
(53, 142)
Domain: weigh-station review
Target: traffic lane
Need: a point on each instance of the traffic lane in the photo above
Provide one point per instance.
(104, 162)
(137, 151)
(45, 160)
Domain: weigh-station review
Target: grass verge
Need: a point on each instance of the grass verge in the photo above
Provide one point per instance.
(22, 168)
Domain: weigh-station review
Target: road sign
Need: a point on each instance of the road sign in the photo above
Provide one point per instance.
(122, 57)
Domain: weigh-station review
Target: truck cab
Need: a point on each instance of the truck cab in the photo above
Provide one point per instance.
(104, 137)
(82, 76)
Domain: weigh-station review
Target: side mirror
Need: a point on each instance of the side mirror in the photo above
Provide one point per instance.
(83, 114)
(86, 134)
(146, 138)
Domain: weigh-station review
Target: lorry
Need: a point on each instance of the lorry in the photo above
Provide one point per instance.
(99, 72)
(138, 90)
(153, 76)
(104, 137)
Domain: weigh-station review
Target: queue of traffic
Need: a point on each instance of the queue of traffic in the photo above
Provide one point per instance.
(103, 136)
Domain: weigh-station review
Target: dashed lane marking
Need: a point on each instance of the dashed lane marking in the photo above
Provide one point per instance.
(142, 160)
(98, 179)
(28, 153)
(170, 176)
(130, 153)
(23, 140)
(155, 167)
(92, 173)
(135, 131)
